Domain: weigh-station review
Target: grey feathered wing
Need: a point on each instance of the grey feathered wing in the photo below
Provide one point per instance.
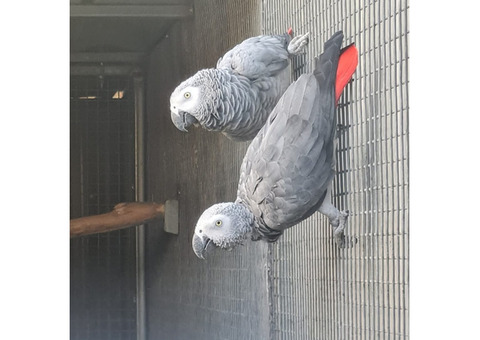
(290, 164)
(258, 56)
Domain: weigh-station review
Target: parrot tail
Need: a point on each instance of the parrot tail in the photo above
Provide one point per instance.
(346, 67)
(327, 62)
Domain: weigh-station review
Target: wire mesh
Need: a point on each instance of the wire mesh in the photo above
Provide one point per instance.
(102, 266)
(318, 291)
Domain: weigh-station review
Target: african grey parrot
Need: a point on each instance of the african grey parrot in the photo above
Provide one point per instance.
(237, 96)
(288, 168)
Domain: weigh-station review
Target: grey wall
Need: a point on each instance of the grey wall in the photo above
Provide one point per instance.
(226, 296)
(318, 290)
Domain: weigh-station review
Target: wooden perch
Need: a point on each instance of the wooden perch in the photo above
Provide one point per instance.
(124, 215)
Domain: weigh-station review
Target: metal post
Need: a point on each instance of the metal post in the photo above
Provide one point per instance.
(131, 11)
(139, 89)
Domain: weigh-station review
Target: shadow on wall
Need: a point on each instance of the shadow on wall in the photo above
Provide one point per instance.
(187, 298)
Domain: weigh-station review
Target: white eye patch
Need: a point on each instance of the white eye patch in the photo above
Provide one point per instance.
(188, 99)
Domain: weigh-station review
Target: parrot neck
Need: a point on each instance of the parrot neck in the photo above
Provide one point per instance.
(244, 223)
(257, 229)
(263, 232)
(247, 225)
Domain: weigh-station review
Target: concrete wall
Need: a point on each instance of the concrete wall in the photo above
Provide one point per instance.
(224, 297)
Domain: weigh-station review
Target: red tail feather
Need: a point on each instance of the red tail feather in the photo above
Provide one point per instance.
(346, 66)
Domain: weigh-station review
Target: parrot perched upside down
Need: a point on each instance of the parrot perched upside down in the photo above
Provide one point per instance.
(288, 168)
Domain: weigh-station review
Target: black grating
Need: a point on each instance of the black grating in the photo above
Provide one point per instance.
(318, 291)
(102, 154)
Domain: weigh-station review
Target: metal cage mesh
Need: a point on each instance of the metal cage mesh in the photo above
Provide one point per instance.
(102, 266)
(318, 291)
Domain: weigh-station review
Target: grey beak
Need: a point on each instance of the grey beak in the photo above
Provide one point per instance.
(182, 120)
(199, 245)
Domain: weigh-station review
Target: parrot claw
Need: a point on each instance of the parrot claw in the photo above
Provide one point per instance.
(339, 231)
(339, 236)
(343, 241)
(297, 44)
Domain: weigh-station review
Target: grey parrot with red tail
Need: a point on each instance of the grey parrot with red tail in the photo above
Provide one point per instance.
(287, 171)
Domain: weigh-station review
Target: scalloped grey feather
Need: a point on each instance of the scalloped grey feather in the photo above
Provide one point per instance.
(237, 96)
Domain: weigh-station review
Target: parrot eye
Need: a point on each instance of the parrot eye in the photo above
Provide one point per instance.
(187, 95)
(218, 223)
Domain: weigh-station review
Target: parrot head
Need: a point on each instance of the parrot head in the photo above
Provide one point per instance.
(224, 225)
(184, 103)
(192, 102)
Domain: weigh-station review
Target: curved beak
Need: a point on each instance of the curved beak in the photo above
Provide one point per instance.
(199, 245)
(182, 120)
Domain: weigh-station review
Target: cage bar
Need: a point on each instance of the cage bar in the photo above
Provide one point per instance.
(360, 292)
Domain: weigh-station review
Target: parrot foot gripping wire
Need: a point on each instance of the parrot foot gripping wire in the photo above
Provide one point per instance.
(339, 231)
(297, 44)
